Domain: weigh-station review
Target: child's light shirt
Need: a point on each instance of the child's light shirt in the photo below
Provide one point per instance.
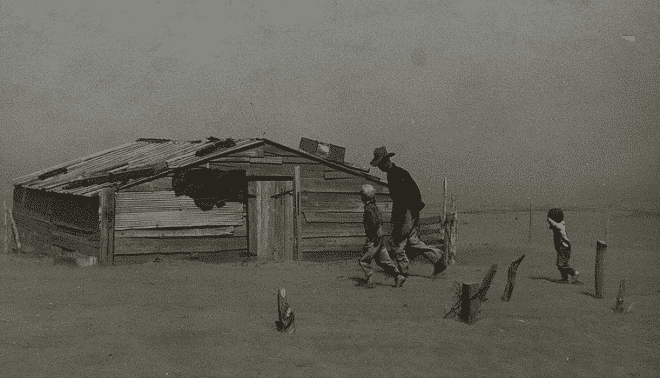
(559, 233)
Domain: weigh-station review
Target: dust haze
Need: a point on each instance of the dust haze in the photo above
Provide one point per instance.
(549, 101)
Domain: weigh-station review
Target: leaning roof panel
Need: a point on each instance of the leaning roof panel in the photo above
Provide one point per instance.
(127, 162)
(144, 160)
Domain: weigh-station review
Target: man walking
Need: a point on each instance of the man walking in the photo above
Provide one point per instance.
(406, 205)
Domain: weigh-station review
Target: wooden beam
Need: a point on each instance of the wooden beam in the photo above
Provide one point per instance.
(178, 233)
(140, 246)
(266, 160)
(339, 217)
(297, 215)
(511, 279)
(601, 249)
(107, 226)
(336, 175)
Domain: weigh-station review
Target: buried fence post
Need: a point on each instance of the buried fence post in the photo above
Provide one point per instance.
(485, 284)
(618, 307)
(17, 239)
(511, 280)
(451, 236)
(286, 315)
(470, 302)
(465, 302)
(601, 249)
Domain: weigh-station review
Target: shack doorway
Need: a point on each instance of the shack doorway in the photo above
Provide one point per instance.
(270, 219)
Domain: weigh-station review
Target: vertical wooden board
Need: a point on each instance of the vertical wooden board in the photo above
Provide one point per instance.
(253, 217)
(276, 216)
(107, 226)
(288, 224)
(266, 229)
(297, 215)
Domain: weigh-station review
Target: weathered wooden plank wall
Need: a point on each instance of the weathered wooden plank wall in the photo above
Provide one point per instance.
(47, 221)
(162, 223)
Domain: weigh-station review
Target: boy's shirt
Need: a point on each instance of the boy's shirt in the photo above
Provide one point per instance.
(559, 233)
(372, 221)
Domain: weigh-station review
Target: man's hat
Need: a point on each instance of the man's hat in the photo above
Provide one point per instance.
(380, 154)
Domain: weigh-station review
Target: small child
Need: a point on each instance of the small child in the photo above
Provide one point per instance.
(374, 247)
(562, 245)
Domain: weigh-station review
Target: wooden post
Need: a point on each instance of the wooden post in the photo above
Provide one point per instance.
(451, 238)
(17, 239)
(287, 318)
(297, 215)
(6, 228)
(107, 226)
(618, 307)
(511, 280)
(470, 302)
(601, 249)
(485, 284)
(529, 236)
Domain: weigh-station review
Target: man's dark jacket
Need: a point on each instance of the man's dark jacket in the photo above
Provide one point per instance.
(404, 191)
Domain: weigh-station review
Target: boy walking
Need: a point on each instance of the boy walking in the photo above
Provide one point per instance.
(374, 246)
(562, 245)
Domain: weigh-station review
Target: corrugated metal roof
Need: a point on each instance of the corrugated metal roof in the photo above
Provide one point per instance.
(143, 160)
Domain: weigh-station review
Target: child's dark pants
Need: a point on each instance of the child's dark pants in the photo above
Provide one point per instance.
(563, 255)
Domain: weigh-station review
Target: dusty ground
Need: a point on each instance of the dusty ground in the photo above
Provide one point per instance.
(194, 319)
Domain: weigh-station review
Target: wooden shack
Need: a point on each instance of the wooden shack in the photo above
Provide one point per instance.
(229, 198)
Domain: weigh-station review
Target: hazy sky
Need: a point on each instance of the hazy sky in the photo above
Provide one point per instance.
(511, 100)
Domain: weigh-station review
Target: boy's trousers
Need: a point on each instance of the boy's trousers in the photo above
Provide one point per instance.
(563, 255)
(374, 249)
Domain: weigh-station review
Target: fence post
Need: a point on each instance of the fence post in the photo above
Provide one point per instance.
(470, 302)
(286, 322)
(511, 280)
(488, 279)
(601, 249)
(618, 307)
